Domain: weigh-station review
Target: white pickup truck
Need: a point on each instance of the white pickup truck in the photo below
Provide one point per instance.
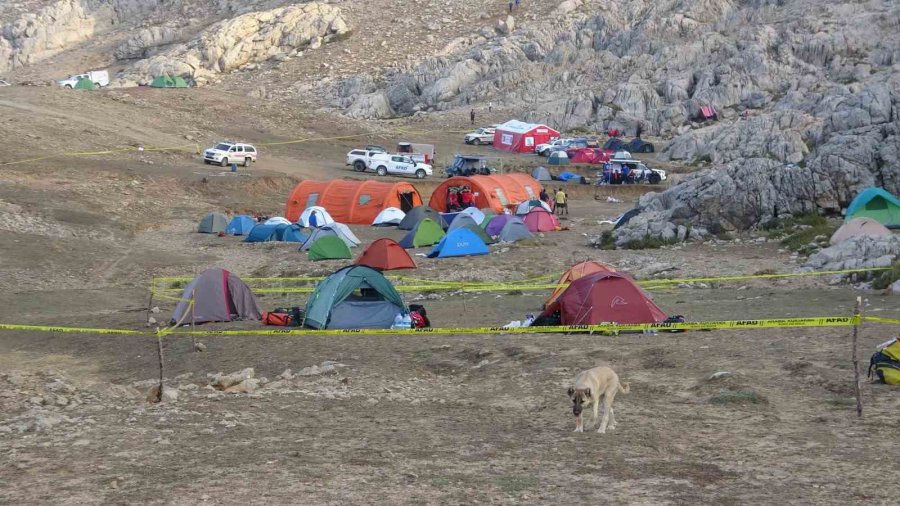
(558, 143)
(360, 158)
(401, 165)
(100, 78)
(480, 136)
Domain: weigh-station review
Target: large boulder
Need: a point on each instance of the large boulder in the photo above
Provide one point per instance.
(245, 40)
(858, 252)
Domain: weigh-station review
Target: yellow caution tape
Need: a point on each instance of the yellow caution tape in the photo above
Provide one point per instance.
(426, 284)
(834, 321)
(757, 276)
(80, 330)
(820, 321)
(102, 152)
(878, 319)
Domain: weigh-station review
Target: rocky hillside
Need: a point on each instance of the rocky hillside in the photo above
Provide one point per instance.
(806, 90)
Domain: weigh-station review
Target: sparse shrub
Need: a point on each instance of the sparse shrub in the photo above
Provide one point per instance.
(884, 279)
(648, 242)
(607, 240)
(738, 396)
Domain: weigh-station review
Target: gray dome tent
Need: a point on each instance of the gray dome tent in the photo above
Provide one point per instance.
(541, 173)
(355, 297)
(213, 223)
(515, 230)
(419, 213)
(218, 296)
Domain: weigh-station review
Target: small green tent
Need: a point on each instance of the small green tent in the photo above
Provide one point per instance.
(162, 82)
(179, 82)
(876, 204)
(330, 247)
(85, 84)
(426, 233)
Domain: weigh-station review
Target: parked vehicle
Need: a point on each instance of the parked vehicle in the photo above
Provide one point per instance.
(560, 144)
(100, 78)
(402, 165)
(360, 158)
(481, 136)
(423, 153)
(623, 169)
(228, 152)
(469, 165)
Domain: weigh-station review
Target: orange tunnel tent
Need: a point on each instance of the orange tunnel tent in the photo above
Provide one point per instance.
(497, 191)
(349, 201)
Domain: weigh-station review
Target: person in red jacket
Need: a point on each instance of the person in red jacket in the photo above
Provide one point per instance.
(466, 197)
(452, 201)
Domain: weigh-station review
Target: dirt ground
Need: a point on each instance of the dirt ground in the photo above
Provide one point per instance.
(424, 419)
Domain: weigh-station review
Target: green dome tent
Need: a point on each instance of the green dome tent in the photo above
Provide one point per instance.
(877, 204)
(85, 84)
(355, 297)
(168, 82)
(426, 233)
(330, 247)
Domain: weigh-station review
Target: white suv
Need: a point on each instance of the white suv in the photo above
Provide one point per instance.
(228, 152)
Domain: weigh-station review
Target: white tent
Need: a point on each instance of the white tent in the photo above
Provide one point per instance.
(475, 213)
(321, 217)
(344, 232)
(528, 205)
(277, 220)
(390, 216)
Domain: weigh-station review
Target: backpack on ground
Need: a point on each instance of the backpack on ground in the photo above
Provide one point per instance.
(884, 366)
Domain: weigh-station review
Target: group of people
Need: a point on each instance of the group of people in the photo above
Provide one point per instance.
(458, 200)
(560, 202)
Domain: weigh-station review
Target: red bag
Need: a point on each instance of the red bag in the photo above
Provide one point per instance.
(277, 319)
(418, 321)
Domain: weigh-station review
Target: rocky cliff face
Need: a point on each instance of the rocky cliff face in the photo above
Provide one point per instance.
(48, 31)
(231, 44)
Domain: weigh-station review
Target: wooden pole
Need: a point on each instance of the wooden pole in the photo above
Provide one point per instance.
(193, 303)
(159, 350)
(857, 313)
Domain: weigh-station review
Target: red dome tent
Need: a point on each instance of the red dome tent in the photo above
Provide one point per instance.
(593, 156)
(604, 297)
(385, 255)
(349, 201)
(493, 192)
(577, 271)
(539, 220)
(519, 137)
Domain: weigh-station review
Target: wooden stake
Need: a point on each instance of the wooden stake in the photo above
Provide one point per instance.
(159, 350)
(856, 314)
(193, 303)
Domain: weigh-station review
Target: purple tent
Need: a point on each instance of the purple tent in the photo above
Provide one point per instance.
(219, 296)
(498, 222)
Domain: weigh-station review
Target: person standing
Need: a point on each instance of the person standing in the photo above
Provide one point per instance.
(544, 196)
(453, 201)
(517, 4)
(510, 6)
(490, 107)
(472, 116)
(638, 131)
(562, 202)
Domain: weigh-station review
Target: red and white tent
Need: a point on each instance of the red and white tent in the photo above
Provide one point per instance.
(520, 137)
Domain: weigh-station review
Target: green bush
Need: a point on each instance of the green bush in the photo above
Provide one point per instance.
(884, 279)
(648, 242)
(607, 240)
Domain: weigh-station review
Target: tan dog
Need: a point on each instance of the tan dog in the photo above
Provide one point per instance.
(590, 386)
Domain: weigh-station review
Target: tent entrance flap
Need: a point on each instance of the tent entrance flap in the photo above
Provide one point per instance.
(406, 201)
